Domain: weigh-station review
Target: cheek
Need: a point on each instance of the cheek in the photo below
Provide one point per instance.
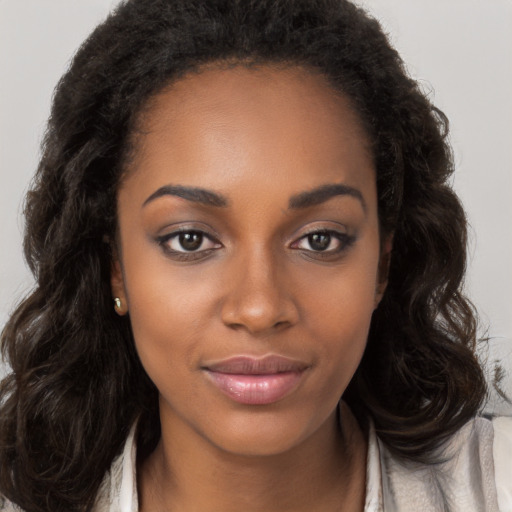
(338, 314)
(169, 309)
(342, 299)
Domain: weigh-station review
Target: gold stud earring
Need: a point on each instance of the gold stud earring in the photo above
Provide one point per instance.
(118, 304)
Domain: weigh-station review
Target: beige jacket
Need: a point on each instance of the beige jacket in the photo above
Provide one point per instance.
(476, 477)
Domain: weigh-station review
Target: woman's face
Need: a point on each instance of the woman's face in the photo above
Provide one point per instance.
(249, 254)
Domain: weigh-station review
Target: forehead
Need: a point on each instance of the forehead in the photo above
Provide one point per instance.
(267, 126)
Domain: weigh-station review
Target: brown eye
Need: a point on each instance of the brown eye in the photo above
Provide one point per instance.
(319, 241)
(190, 241)
(184, 242)
(326, 242)
(322, 241)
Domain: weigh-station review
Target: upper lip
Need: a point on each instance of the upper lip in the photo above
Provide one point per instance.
(247, 365)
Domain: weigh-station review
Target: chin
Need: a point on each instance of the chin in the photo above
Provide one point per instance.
(257, 445)
(263, 434)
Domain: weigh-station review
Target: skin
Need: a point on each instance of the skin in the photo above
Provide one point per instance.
(256, 286)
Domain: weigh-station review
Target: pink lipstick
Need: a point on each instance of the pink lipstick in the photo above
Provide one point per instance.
(254, 381)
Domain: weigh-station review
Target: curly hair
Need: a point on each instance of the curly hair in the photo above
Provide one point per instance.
(77, 385)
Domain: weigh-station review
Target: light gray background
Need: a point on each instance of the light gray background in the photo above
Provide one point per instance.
(460, 50)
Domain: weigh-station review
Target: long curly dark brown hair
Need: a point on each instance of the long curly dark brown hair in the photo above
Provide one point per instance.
(77, 384)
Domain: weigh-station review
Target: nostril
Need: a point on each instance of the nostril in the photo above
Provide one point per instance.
(277, 325)
(258, 305)
(234, 326)
(258, 325)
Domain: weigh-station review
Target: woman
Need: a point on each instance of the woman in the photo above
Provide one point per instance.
(248, 266)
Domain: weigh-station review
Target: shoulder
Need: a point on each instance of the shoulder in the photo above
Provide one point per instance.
(7, 506)
(502, 452)
(464, 479)
(118, 491)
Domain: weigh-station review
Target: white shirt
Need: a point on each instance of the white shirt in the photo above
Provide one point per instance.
(476, 475)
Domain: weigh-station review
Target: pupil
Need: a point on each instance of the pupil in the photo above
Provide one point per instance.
(191, 241)
(319, 241)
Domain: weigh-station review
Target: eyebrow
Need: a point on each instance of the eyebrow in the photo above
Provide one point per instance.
(324, 193)
(194, 194)
(303, 200)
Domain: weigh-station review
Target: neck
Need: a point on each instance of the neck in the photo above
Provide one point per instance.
(326, 472)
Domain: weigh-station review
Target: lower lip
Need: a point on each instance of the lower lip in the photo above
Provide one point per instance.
(256, 389)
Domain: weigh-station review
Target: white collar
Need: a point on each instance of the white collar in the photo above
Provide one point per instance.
(123, 478)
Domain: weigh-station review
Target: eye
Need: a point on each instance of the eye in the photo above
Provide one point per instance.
(190, 242)
(325, 241)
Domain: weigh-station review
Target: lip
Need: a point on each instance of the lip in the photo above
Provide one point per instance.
(256, 381)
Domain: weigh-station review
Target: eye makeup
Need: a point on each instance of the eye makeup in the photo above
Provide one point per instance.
(187, 243)
(324, 243)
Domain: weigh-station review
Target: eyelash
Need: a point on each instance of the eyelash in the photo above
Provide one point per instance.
(344, 240)
(185, 255)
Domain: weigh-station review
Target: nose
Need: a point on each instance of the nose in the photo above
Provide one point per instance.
(260, 298)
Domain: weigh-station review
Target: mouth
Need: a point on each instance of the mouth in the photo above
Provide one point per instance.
(256, 381)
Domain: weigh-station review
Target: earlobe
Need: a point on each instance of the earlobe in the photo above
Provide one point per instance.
(118, 289)
(383, 272)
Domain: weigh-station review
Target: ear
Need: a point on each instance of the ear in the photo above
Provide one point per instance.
(117, 285)
(383, 270)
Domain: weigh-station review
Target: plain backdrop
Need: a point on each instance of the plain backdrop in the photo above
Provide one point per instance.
(460, 51)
